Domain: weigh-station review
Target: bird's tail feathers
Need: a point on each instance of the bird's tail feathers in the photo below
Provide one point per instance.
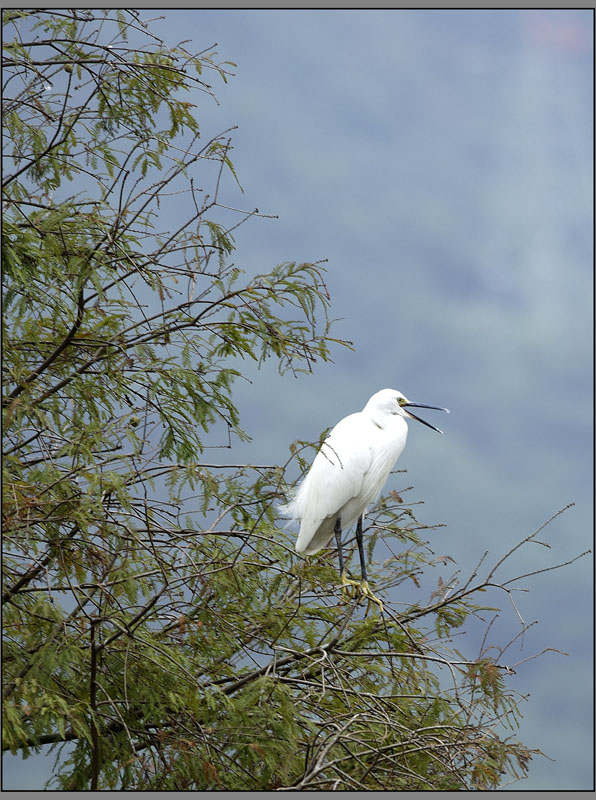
(295, 507)
(315, 533)
(287, 510)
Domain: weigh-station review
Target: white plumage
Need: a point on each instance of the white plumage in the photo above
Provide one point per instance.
(350, 470)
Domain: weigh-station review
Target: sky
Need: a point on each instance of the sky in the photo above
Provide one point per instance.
(441, 161)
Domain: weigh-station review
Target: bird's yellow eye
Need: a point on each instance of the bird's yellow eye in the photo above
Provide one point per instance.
(401, 401)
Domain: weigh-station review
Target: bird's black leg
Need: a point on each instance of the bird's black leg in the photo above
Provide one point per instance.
(338, 542)
(349, 587)
(360, 548)
(364, 587)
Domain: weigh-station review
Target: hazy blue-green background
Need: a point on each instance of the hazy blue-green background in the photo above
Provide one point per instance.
(442, 162)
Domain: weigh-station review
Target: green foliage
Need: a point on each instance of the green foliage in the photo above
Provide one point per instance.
(155, 616)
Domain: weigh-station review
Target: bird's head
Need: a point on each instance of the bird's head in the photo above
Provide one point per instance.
(390, 401)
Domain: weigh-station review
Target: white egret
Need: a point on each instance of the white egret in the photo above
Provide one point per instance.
(347, 475)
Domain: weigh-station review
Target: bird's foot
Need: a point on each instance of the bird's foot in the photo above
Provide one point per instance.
(366, 591)
(350, 589)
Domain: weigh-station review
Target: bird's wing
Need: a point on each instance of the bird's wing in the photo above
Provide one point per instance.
(337, 473)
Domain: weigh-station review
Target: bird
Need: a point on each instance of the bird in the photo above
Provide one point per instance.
(347, 476)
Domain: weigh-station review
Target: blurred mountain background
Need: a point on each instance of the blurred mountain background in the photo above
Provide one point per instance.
(441, 161)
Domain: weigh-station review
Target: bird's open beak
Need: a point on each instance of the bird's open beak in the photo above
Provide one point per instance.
(421, 405)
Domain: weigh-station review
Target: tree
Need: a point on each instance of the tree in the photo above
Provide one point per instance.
(159, 631)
